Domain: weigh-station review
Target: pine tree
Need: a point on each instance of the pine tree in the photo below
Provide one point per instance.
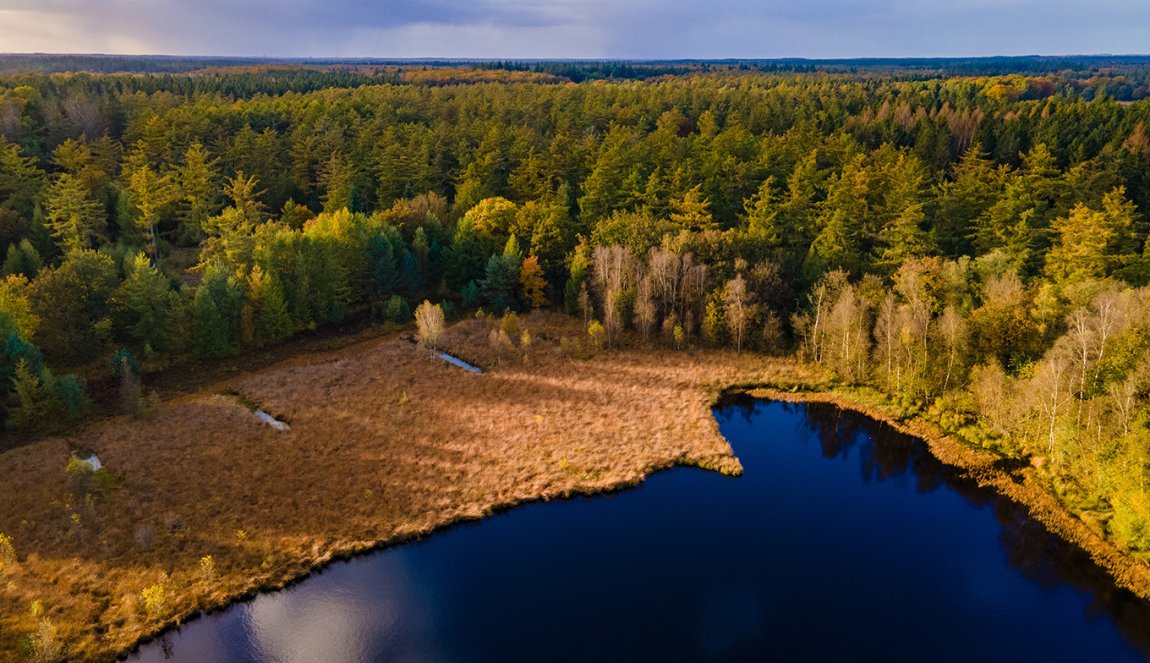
(75, 220)
(762, 214)
(145, 304)
(904, 237)
(197, 179)
(152, 196)
(833, 248)
(336, 179)
(382, 265)
(31, 395)
(692, 211)
(272, 321)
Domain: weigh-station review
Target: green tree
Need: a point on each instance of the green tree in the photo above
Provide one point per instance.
(75, 220)
(145, 305)
(22, 260)
(1095, 243)
(692, 211)
(272, 318)
(153, 196)
(230, 234)
(22, 184)
(73, 304)
(198, 179)
(501, 277)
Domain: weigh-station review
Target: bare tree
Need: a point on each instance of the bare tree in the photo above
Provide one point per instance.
(1124, 395)
(612, 273)
(886, 336)
(1052, 386)
(739, 309)
(646, 312)
(848, 335)
(811, 324)
(665, 269)
(693, 289)
(952, 330)
(994, 393)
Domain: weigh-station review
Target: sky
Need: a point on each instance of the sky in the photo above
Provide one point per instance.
(639, 29)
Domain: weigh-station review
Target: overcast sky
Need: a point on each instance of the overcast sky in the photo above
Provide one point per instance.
(577, 28)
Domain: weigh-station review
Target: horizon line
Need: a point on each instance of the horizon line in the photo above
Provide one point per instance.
(432, 58)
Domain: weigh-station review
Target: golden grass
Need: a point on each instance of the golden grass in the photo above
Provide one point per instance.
(386, 444)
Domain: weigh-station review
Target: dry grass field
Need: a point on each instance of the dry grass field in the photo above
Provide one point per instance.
(386, 443)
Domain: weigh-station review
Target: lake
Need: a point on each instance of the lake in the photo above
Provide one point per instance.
(844, 540)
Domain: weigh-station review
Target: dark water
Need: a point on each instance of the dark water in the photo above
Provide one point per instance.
(843, 541)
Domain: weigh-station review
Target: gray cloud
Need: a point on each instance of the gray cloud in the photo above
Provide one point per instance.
(576, 28)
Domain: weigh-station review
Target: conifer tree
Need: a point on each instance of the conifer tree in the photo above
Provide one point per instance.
(74, 219)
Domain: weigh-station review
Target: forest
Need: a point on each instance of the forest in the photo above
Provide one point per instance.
(970, 244)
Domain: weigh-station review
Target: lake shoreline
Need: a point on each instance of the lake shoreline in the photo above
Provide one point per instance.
(982, 465)
(413, 441)
(359, 412)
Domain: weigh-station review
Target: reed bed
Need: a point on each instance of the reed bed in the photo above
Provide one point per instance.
(207, 504)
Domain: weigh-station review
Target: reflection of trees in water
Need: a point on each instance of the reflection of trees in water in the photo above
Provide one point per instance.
(1048, 560)
(885, 453)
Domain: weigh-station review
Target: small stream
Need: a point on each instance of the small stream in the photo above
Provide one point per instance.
(842, 541)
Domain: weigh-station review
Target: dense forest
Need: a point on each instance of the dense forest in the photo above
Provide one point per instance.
(971, 245)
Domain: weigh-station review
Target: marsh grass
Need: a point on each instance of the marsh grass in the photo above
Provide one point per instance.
(385, 446)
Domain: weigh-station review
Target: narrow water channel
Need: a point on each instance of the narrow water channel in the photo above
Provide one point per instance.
(843, 541)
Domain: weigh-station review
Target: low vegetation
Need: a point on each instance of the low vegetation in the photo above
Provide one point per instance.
(386, 444)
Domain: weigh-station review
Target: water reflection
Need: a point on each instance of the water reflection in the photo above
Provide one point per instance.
(843, 540)
(885, 453)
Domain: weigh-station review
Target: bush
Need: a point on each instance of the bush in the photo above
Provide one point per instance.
(44, 645)
(1130, 525)
(208, 568)
(155, 601)
(396, 310)
(509, 325)
(7, 551)
(597, 334)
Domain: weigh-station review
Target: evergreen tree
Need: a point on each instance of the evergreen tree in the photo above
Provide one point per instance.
(272, 319)
(411, 277)
(197, 179)
(152, 195)
(692, 211)
(382, 265)
(75, 220)
(145, 305)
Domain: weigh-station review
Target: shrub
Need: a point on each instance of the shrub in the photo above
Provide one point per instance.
(155, 601)
(509, 325)
(598, 334)
(7, 551)
(44, 645)
(208, 568)
(145, 536)
(396, 310)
